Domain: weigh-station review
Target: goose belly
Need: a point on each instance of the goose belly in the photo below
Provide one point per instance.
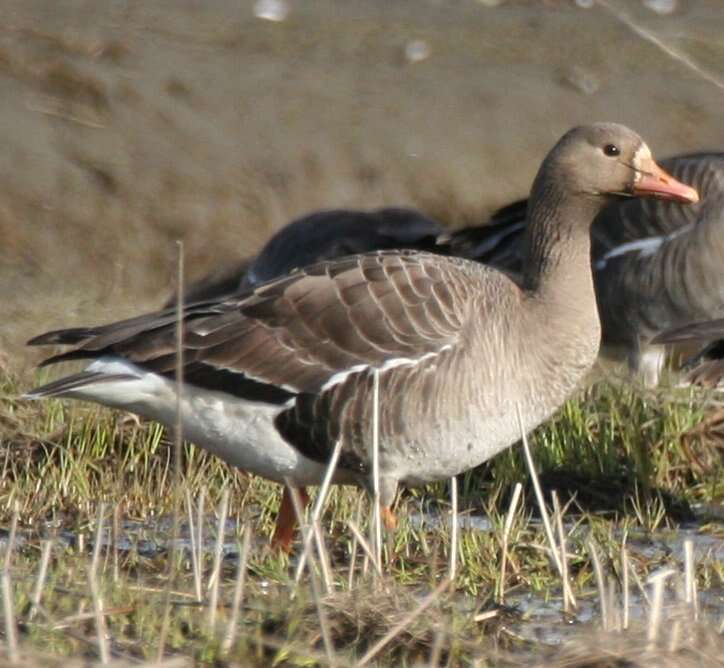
(438, 424)
(450, 449)
(467, 417)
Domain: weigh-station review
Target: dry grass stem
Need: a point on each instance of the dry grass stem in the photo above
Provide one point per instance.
(194, 547)
(625, 585)
(323, 558)
(177, 445)
(95, 560)
(45, 552)
(540, 499)
(10, 545)
(11, 634)
(365, 545)
(568, 598)
(454, 528)
(675, 637)
(600, 582)
(639, 584)
(376, 520)
(101, 629)
(485, 616)
(218, 558)
(115, 532)
(436, 649)
(690, 577)
(316, 593)
(72, 620)
(230, 636)
(657, 582)
(517, 490)
(355, 543)
(52, 107)
(317, 513)
(200, 517)
(614, 616)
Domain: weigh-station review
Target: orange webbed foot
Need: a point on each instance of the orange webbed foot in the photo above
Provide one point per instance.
(388, 518)
(287, 520)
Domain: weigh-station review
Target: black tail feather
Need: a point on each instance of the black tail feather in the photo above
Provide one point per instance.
(70, 356)
(69, 383)
(695, 331)
(64, 337)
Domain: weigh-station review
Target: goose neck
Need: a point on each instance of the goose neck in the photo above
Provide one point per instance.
(558, 243)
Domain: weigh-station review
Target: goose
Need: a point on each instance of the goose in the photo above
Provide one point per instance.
(656, 264)
(278, 377)
(317, 236)
(706, 366)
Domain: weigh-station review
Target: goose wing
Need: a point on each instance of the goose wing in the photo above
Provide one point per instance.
(299, 331)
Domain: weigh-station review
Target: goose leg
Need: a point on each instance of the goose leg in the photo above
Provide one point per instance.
(287, 520)
(388, 518)
(388, 491)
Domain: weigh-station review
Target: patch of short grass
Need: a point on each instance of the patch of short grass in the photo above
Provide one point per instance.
(626, 460)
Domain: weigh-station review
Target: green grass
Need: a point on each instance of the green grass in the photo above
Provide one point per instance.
(630, 463)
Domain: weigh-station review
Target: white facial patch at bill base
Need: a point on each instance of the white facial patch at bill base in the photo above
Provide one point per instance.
(641, 157)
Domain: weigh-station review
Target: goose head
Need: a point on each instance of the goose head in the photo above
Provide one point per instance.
(608, 159)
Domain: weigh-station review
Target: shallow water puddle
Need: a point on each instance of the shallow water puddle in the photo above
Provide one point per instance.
(530, 615)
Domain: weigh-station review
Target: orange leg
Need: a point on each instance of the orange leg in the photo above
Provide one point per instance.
(388, 518)
(287, 520)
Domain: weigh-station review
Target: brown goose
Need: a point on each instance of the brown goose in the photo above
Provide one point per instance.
(656, 264)
(276, 377)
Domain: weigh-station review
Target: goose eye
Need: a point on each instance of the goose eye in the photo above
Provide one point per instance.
(611, 150)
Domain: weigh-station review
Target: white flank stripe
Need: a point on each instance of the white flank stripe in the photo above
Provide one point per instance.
(341, 376)
(644, 247)
(391, 363)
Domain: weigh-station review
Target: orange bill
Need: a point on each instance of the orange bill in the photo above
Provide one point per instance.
(655, 182)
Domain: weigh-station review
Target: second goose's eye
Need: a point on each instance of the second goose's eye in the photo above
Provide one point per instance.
(611, 150)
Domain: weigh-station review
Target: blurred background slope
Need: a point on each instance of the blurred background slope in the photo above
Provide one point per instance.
(125, 126)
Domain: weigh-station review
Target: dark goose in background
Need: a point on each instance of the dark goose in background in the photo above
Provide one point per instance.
(706, 367)
(276, 377)
(319, 236)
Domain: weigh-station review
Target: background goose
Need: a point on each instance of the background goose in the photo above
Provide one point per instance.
(656, 264)
(706, 367)
(276, 377)
(333, 233)
(319, 236)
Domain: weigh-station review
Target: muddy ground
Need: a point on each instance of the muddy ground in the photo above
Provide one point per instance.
(125, 126)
